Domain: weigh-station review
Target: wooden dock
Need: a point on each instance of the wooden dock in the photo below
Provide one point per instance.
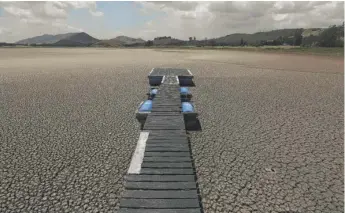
(166, 180)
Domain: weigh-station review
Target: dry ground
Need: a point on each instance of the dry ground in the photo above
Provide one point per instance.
(272, 138)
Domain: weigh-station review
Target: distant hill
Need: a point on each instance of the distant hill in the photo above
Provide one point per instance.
(119, 41)
(45, 39)
(78, 39)
(324, 37)
(167, 40)
(129, 40)
(68, 39)
(255, 38)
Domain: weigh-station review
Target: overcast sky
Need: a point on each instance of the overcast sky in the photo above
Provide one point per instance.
(104, 20)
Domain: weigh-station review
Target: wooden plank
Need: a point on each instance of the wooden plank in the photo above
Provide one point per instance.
(160, 185)
(163, 194)
(161, 178)
(160, 203)
(167, 165)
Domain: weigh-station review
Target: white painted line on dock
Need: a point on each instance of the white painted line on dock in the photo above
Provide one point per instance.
(178, 81)
(190, 72)
(163, 79)
(151, 71)
(138, 155)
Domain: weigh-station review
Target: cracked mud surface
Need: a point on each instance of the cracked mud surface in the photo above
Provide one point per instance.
(271, 140)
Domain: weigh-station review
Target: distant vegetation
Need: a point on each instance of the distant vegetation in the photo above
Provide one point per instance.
(329, 37)
(312, 37)
(120, 41)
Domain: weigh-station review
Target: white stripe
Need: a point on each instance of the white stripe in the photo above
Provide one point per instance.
(138, 155)
(178, 82)
(190, 72)
(163, 79)
(151, 71)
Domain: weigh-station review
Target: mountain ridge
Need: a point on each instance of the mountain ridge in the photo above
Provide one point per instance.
(119, 41)
(293, 36)
(78, 38)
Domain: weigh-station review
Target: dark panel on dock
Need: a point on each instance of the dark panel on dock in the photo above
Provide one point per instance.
(169, 71)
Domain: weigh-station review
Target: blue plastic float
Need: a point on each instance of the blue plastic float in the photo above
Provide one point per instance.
(187, 107)
(153, 92)
(146, 106)
(184, 90)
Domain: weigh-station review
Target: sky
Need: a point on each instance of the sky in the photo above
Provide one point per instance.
(147, 20)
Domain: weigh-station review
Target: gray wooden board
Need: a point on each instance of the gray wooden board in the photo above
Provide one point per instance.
(163, 194)
(160, 178)
(170, 101)
(168, 133)
(160, 185)
(166, 109)
(164, 119)
(167, 98)
(165, 171)
(166, 104)
(176, 145)
(160, 141)
(160, 127)
(173, 145)
(179, 139)
(168, 138)
(167, 101)
(166, 113)
(166, 165)
(159, 203)
(194, 210)
(167, 159)
(166, 149)
(167, 154)
(158, 107)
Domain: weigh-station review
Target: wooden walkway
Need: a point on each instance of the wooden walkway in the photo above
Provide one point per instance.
(166, 182)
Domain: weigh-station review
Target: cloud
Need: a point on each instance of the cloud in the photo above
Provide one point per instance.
(96, 13)
(183, 6)
(213, 19)
(27, 19)
(177, 19)
(4, 31)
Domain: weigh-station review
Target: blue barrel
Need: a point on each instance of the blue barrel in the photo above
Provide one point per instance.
(187, 107)
(153, 92)
(184, 90)
(146, 106)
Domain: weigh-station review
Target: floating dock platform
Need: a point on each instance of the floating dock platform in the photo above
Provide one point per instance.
(156, 76)
(162, 177)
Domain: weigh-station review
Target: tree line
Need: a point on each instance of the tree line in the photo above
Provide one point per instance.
(332, 36)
